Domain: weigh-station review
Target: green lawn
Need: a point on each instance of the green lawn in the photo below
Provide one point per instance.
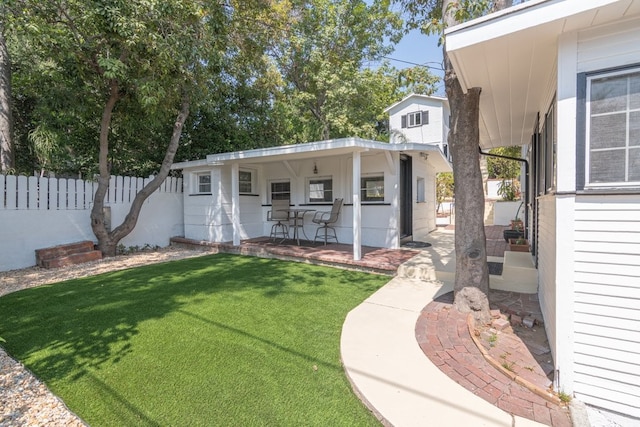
(215, 340)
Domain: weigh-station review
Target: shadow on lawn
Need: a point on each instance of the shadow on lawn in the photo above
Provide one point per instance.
(86, 323)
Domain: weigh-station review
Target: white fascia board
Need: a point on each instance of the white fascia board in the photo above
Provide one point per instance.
(357, 144)
(284, 150)
(438, 160)
(189, 164)
(528, 15)
(415, 95)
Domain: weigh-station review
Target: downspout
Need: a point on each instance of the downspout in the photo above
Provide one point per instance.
(526, 177)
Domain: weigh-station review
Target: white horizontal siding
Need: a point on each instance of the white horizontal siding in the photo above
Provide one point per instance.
(547, 268)
(609, 46)
(607, 302)
(625, 292)
(606, 395)
(613, 366)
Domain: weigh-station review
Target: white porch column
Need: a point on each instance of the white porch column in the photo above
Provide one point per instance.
(357, 214)
(235, 203)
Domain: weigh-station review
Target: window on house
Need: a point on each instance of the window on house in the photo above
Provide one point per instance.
(550, 136)
(613, 129)
(204, 183)
(245, 182)
(372, 188)
(320, 190)
(280, 190)
(415, 119)
(421, 192)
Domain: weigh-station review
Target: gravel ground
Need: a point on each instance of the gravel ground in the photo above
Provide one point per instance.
(24, 400)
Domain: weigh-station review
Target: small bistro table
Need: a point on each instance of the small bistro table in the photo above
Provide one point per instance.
(297, 216)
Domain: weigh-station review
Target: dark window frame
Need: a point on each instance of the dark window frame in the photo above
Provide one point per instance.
(582, 144)
(363, 188)
(327, 193)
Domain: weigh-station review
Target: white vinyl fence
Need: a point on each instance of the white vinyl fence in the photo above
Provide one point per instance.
(42, 212)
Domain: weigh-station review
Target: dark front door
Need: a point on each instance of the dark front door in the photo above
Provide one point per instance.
(406, 205)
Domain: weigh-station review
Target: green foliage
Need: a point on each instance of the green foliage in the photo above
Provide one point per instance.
(444, 187)
(504, 168)
(67, 55)
(156, 345)
(509, 190)
(257, 73)
(564, 397)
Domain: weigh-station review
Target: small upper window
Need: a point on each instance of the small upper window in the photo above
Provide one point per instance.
(320, 190)
(204, 183)
(245, 179)
(372, 188)
(613, 129)
(415, 119)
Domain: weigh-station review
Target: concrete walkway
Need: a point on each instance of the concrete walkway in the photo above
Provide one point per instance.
(394, 377)
(390, 371)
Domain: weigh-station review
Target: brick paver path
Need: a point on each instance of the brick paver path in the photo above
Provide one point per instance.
(443, 335)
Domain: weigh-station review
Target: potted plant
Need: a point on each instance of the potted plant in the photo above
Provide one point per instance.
(517, 227)
(519, 245)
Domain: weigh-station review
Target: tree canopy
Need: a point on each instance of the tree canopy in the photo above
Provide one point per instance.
(257, 74)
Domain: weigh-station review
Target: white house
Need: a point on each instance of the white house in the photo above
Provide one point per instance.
(563, 78)
(388, 190)
(420, 118)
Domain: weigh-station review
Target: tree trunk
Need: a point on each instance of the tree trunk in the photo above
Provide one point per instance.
(7, 154)
(131, 219)
(471, 287)
(108, 240)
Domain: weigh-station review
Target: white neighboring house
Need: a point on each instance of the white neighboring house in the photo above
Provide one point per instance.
(388, 190)
(563, 78)
(420, 118)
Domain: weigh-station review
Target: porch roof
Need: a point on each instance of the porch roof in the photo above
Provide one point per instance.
(331, 147)
(513, 55)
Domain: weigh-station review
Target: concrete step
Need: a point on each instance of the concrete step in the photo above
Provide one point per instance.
(518, 274)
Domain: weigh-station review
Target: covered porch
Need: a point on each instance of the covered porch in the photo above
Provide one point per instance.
(388, 191)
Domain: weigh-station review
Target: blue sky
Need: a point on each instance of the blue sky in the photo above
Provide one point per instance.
(417, 48)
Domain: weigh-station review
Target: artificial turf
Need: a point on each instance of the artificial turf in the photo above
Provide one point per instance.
(214, 340)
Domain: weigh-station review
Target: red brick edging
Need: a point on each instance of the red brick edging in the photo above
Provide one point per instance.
(551, 397)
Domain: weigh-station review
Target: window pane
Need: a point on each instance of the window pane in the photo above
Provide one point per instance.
(608, 131)
(634, 91)
(204, 183)
(608, 94)
(634, 164)
(320, 190)
(280, 190)
(607, 166)
(372, 189)
(245, 182)
(634, 129)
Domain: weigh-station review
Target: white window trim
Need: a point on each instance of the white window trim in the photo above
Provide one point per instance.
(415, 115)
(421, 192)
(196, 182)
(277, 181)
(587, 163)
(253, 181)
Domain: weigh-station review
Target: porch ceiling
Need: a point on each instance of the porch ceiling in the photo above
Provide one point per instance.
(512, 56)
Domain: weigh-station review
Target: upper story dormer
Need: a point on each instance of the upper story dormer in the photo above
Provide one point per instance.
(420, 118)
